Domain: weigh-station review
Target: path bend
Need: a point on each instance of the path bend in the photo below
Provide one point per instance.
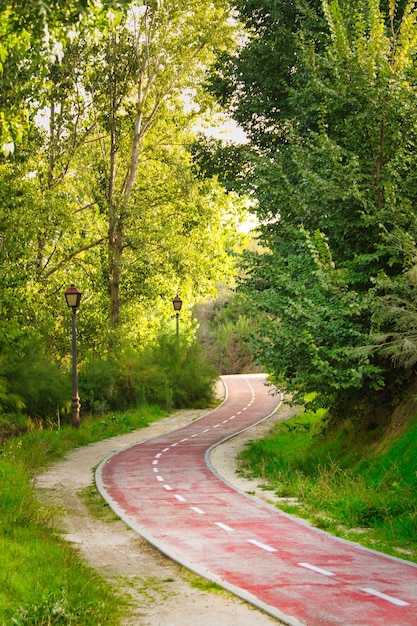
(165, 489)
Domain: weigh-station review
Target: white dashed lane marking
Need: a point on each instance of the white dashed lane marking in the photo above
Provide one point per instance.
(255, 542)
(261, 545)
(314, 568)
(224, 527)
(383, 596)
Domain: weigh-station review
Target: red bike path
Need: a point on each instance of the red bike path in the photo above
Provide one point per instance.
(166, 490)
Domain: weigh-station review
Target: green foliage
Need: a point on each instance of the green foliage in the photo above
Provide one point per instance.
(37, 446)
(12, 425)
(50, 594)
(44, 389)
(306, 317)
(395, 322)
(168, 373)
(223, 332)
(344, 477)
(255, 82)
(17, 503)
(103, 193)
(332, 170)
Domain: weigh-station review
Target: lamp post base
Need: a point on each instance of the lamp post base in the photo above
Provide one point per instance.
(75, 406)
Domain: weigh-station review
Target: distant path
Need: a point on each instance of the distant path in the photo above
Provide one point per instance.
(164, 489)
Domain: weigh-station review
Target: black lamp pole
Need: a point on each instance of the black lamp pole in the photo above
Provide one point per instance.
(73, 297)
(177, 304)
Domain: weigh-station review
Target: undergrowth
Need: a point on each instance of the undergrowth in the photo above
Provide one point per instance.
(42, 579)
(343, 483)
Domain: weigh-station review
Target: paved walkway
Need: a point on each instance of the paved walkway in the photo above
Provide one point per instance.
(165, 489)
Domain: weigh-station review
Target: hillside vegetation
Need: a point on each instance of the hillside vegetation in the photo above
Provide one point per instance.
(355, 479)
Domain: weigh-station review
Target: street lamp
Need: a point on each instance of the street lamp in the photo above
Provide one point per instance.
(177, 304)
(73, 297)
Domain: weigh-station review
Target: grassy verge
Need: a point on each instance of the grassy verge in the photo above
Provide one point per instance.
(42, 579)
(344, 480)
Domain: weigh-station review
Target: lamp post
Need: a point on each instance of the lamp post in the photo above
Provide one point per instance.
(73, 297)
(177, 304)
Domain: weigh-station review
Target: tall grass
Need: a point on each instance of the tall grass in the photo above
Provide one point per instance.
(342, 483)
(42, 579)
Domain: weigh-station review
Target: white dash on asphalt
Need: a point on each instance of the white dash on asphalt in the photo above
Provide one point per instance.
(206, 431)
(225, 421)
(165, 450)
(156, 470)
(161, 480)
(232, 418)
(180, 498)
(259, 544)
(216, 426)
(182, 440)
(244, 408)
(383, 596)
(158, 456)
(167, 488)
(174, 444)
(197, 510)
(224, 527)
(195, 435)
(239, 412)
(319, 570)
(154, 462)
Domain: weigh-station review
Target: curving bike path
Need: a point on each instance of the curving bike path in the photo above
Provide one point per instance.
(166, 490)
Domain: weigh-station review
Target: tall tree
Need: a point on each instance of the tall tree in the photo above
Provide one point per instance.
(107, 181)
(137, 84)
(31, 33)
(334, 178)
(134, 76)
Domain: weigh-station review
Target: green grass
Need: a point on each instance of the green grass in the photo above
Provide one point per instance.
(97, 507)
(203, 584)
(43, 581)
(345, 482)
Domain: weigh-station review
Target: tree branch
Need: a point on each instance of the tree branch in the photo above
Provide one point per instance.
(71, 256)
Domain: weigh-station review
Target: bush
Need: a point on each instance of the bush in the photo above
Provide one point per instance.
(12, 425)
(33, 384)
(170, 374)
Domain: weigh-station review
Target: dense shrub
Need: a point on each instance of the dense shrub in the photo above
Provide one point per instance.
(32, 384)
(170, 373)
